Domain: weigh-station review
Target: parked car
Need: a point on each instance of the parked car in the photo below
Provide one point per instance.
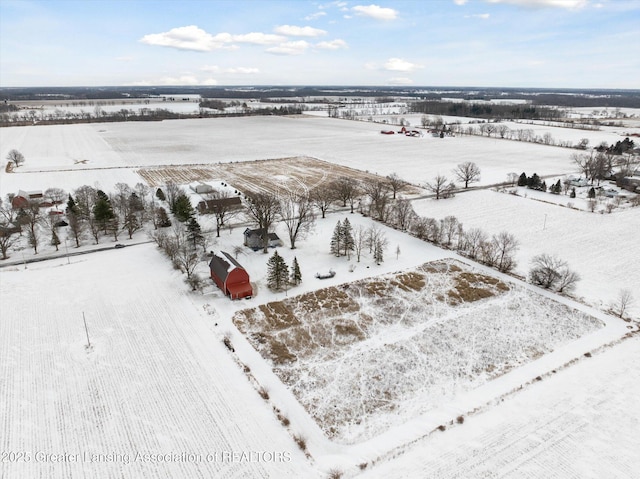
(119, 245)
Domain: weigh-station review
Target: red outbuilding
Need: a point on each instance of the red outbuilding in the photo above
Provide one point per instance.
(230, 276)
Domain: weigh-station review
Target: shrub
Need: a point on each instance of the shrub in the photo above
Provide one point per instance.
(460, 419)
(335, 474)
(301, 442)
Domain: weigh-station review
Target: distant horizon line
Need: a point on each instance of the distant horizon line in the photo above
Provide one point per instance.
(321, 86)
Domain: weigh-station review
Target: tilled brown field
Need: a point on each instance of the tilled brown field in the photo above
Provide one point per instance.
(294, 173)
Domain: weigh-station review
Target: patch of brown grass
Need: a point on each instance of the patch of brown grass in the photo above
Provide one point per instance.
(279, 352)
(278, 315)
(409, 281)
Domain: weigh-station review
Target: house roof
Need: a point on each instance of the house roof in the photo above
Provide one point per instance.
(212, 205)
(259, 232)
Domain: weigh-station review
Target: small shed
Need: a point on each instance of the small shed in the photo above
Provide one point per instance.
(254, 239)
(230, 276)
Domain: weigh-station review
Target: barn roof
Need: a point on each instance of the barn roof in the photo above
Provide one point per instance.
(222, 264)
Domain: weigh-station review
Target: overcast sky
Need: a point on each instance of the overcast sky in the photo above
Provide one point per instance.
(502, 43)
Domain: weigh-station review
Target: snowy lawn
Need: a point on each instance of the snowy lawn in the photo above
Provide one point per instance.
(377, 352)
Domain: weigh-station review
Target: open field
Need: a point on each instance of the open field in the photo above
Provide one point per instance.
(375, 353)
(276, 175)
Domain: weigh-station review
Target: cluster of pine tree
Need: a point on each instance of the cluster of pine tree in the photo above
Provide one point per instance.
(279, 275)
(342, 242)
(534, 182)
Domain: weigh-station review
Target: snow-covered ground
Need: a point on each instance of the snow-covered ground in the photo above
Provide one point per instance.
(159, 380)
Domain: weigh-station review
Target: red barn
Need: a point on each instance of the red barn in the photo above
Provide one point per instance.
(230, 276)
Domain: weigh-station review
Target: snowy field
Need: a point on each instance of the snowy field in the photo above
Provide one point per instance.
(159, 380)
(113, 151)
(156, 380)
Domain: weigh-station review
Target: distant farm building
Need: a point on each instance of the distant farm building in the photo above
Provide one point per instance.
(201, 188)
(230, 276)
(254, 239)
(23, 198)
(219, 204)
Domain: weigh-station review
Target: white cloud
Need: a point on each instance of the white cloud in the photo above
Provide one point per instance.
(186, 38)
(257, 38)
(460, 2)
(289, 48)
(194, 38)
(210, 81)
(124, 59)
(482, 16)
(375, 11)
(336, 44)
(400, 65)
(400, 81)
(315, 16)
(230, 70)
(544, 3)
(181, 80)
(293, 31)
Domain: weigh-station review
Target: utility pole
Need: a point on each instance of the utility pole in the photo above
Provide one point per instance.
(86, 330)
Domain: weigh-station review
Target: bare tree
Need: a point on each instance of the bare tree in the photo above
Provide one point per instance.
(448, 228)
(33, 220)
(15, 157)
(8, 228)
(359, 240)
(623, 301)
(473, 240)
(403, 214)
(55, 195)
(322, 198)
(441, 187)
(467, 172)
(378, 194)
(172, 192)
(550, 272)
(296, 210)
(223, 209)
(506, 246)
(396, 183)
(263, 208)
(346, 189)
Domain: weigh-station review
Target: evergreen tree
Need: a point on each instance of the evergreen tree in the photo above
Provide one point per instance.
(296, 276)
(347, 237)
(277, 272)
(195, 231)
(103, 211)
(182, 208)
(71, 205)
(162, 218)
(160, 194)
(543, 186)
(534, 182)
(592, 193)
(522, 179)
(557, 189)
(336, 240)
(573, 193)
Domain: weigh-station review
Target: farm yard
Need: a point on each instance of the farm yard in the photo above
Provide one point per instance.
(371, 368)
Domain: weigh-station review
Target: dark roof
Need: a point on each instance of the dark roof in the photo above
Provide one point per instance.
(221, 264)
(259, 232)
(213, 205)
